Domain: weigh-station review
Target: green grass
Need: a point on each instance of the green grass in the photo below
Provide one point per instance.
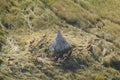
(91, 26)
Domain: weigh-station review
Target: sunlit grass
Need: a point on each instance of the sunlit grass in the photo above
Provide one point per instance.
(90, 26)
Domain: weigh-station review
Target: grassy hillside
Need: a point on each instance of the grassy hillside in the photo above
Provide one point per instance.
(28, 27)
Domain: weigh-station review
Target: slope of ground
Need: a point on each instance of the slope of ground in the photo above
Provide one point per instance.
(27, 28)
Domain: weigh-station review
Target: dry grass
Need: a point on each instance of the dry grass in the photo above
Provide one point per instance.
(27, 21)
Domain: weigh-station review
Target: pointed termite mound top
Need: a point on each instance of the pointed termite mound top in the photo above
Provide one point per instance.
(60, 45)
